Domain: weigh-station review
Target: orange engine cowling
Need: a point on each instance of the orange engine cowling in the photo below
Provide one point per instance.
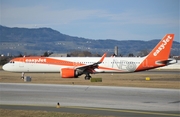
(68, 73)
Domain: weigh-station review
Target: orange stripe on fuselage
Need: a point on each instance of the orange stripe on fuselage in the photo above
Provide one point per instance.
(45, 60)
(110, 69)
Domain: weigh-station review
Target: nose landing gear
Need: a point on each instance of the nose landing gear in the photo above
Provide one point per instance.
(22, 75)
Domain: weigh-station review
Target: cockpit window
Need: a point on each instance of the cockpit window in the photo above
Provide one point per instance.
(11, 61)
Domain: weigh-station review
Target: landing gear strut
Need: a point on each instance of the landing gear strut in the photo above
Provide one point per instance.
(87, 77)
(22, 75)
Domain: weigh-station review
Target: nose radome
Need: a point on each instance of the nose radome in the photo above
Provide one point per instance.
(4, 67)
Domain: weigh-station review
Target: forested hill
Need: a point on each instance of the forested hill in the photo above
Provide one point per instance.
(38, 40)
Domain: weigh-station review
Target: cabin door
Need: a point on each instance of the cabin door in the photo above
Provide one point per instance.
(21, 63)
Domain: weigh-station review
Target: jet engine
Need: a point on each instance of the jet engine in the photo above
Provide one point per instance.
(69, 73)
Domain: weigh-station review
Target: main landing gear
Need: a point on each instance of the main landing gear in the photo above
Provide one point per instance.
(87, 77)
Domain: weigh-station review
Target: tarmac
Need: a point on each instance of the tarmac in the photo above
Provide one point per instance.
(95, 100)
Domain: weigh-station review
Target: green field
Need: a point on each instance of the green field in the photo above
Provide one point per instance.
(25, 113)
(171, 81)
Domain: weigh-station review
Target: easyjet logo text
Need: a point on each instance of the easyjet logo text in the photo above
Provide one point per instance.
(39, 60)
(162, 45)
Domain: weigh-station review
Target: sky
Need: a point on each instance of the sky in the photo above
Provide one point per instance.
(96, 19)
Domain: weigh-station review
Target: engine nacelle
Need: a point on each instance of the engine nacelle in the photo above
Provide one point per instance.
(68, 73)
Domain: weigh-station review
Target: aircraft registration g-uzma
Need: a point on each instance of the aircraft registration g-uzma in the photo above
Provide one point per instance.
(72, 67)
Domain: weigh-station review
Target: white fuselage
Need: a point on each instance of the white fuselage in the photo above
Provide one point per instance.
(110, 64)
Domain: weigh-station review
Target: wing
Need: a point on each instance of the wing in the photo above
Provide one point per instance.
(90, 68)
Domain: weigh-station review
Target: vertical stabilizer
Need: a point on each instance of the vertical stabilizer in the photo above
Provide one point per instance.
(159, 55)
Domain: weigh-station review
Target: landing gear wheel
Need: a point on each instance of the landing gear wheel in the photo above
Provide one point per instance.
(87, 77)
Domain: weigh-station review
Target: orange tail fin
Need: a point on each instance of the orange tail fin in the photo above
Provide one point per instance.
(159, 55)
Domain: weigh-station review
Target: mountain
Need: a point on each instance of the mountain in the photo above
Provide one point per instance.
(39, 40)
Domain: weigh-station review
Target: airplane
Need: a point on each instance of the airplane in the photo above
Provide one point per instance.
(72, 67)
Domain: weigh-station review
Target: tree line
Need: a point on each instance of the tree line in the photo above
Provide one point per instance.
(76, 53)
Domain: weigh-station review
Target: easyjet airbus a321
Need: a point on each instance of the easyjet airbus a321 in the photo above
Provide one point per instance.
(72, 67)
